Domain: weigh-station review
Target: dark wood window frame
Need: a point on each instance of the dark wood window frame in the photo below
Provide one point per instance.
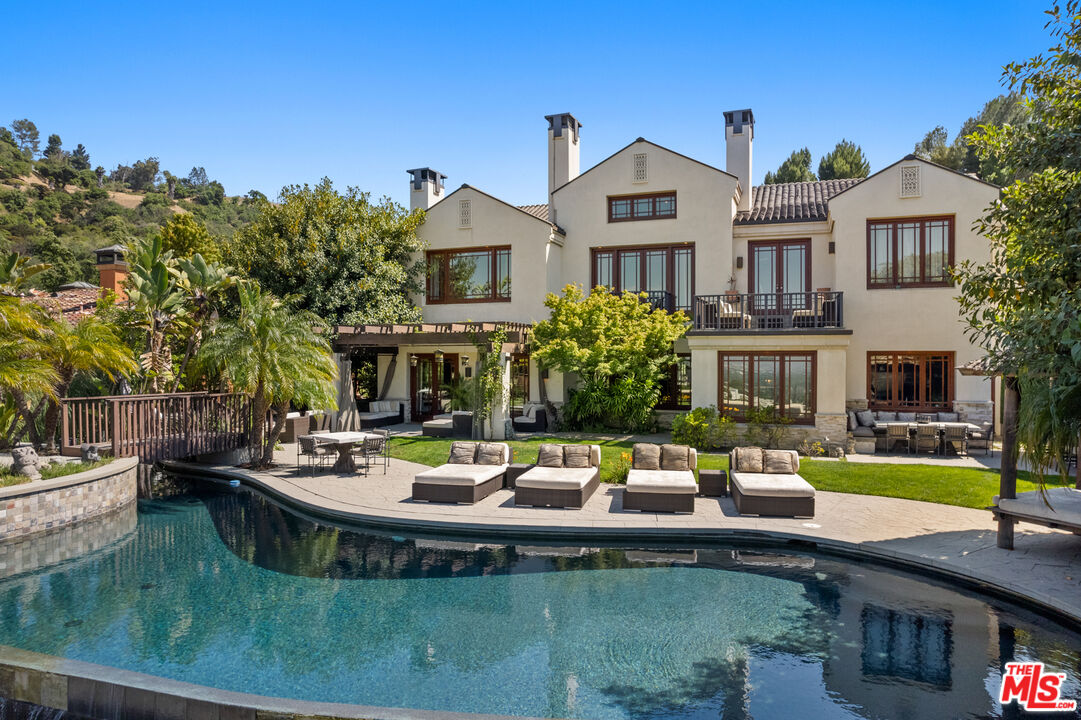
(925, 357)
(670, 386)
(670, 268)
(895, 280)
(446, 299)
(651, 215)
(807, 419)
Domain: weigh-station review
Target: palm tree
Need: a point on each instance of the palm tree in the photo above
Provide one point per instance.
(204, 283)
(275, 354)
(88, 346)
(24, 374)
(154, 295)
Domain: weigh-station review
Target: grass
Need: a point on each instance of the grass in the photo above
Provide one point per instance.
(964, 487)
(48, 472)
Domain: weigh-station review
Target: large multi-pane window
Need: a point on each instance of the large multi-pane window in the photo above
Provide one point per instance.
(906, 645)
(784, 381)
(912, 252)
(654, 206)
(910, 380)
(665, 272)
(474, 275)
(676, 387)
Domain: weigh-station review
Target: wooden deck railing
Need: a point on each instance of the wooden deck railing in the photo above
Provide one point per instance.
(156, 427)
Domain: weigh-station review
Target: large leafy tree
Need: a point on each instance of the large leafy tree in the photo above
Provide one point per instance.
(618, 345)
(962, 153)
(1024, 305)
(80, 158)
(274, 353)
(797, 168)
(54, 148)
(346, 259)
(184, 236)
(26, 136)
(846, 160)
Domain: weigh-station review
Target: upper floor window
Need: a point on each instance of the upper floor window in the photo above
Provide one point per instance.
(654, 206)
(665, 273)
(473, 275)
(909, 252)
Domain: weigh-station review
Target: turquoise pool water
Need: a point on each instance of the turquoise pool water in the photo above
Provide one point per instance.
(227, 589)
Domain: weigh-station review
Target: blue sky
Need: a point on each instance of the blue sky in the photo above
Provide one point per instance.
(279, 93)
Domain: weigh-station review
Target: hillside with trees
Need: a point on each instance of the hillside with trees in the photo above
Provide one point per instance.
(56, 207)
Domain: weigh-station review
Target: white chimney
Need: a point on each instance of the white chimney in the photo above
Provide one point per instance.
(563, 153)
(425, 188)
(738, 137)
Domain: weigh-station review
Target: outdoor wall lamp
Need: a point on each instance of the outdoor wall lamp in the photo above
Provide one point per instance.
(412, 360)
(739, 262)
(439, 356)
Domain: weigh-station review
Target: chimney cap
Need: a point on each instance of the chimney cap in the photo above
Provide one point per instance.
(558, 121)
(420, 175)
(738, 118)
(111, 255)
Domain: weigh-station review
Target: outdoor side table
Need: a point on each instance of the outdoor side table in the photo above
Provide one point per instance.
(513, 471)
(713, 483)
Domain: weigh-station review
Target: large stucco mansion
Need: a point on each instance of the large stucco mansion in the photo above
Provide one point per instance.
(814, 297)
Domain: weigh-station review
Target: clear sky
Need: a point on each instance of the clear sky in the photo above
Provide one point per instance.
(279, 93)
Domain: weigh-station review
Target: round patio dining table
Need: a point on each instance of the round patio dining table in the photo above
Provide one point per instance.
(343, 442)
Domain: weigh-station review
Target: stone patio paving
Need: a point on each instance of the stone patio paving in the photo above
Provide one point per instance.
(1046, 566)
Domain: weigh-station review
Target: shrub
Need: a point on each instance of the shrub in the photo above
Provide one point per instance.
(811, 448)
(703, 428)
(766, 426)
(625, 403)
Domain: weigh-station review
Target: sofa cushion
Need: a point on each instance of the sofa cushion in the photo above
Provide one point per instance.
(576, 456)
(852, 422)
(675, 457)
(491, 454)
(906, 417)
(647, 456)
(777, 462)
(462, 453)
(550, 478)
(764, 485)
(376, 415)
(451, 474)
(887, 416)
(550, 455)
(948, 417)
(384, 406)
(670, 482)
(862, 431)
(748, 459)
(865, 418)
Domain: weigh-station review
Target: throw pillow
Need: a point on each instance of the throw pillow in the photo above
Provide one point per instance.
(550, 455)
(489, 454)
(462, 453)
(675, 457)
(749, 459)
(866, 418)
(647, 456)
(576, 456)
(777, 462)
(852, 424)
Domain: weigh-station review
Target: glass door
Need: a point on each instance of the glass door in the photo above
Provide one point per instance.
(422, 388)
(780, 277)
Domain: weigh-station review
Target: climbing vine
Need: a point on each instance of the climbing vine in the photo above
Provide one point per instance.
(490, 387)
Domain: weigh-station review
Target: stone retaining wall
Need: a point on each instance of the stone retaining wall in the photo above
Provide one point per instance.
(43, 505)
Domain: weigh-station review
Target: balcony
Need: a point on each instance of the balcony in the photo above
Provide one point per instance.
(768, 312)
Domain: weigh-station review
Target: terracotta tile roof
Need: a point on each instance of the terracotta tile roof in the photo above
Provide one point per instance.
(70, 304)
(538, 211)
(793, 202)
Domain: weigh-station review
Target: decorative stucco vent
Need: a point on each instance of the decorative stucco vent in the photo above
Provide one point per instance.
(465, 213)
(640, 173)
(910, 181)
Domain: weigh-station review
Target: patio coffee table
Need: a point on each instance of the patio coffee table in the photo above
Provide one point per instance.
(343, 442)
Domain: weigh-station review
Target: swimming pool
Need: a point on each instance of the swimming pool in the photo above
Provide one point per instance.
(228, 589)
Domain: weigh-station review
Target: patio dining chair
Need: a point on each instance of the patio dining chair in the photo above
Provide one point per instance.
(897, 433)
(957, 436)
(927, 437)
(374, 450)
(316, 453)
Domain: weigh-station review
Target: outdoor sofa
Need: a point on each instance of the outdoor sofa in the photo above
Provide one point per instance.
(534, 419)
(472, 472)
(381, 413)
(564, 476)
(661, 478)
(766, 482)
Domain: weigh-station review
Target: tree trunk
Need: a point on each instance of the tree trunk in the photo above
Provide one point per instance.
(52, 412)
(1008, 472)
(280, 411)
(258, 423)
(29, 417)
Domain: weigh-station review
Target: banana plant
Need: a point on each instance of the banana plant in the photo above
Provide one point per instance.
(204, 285)
(16, 271)
(159, 302)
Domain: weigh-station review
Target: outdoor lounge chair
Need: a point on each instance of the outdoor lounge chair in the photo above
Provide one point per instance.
(382, 413)
(765, 482)
(661, 478)
(473, 472)
(564, 476)
(534, 419)
(316, 453)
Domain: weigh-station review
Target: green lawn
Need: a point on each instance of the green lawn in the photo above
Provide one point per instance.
(966, 487)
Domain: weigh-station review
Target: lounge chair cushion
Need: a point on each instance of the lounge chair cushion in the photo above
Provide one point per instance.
(491, 454)
(451, 474)
(951, 417)
(1065, 505)
(771, 485)
(550, 478)
(748, 459)
(852, 422)
(462, 453)
(647, 456)
(669, 482)
(865, 418)
(675, 457)
(778, 462)
(576, 456)
(906, 417)
(550, 455)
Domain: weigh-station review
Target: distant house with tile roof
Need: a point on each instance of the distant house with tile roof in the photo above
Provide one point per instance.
(78, 299)
(816, 298)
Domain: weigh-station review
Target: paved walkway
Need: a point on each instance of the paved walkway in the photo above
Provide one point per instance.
(1046, 566)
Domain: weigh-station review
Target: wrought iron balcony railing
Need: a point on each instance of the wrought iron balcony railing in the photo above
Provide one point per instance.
(768, 311)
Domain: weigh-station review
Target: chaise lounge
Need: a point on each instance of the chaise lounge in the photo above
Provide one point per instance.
(661, 479)
(382, 413)
(765, 482)
(472, 472)
(564, 476)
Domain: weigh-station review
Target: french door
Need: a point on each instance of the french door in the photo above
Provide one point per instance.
(429, 385)
(780, 275)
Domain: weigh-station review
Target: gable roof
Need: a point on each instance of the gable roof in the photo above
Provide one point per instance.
(521, 209)
(540, 211)
(793, 202)
(70, 304)
(659, 147)
(910, 157)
